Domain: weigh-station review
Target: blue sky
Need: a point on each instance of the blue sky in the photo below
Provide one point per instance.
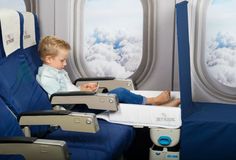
(13, 4)
(114, 15)
(221, 17)
(214, 2)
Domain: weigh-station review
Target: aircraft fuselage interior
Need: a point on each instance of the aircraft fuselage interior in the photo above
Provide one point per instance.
(117, 80)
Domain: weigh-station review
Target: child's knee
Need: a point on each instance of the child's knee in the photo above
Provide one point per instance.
(121, 90)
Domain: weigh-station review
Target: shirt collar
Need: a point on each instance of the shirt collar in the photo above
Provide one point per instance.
(53, 69)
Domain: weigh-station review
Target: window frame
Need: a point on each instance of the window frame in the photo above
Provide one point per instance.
(148, 55)
(201, 74)
(32, 6)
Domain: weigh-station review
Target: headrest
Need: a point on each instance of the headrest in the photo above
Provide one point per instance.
(10, 27)
(29, 30)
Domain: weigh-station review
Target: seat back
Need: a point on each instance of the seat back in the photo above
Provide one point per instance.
(9, 127)
(2, 53)
(19, 88)
(31, 51)
(184, 60)
(10, 31)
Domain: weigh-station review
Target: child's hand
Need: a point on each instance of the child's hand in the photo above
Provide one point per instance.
(89, 87)
(92, 86)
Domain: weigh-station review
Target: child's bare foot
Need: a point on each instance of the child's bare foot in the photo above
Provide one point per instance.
(173, 103)
(164, 97)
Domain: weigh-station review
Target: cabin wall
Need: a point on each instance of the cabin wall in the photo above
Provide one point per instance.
(54, 20)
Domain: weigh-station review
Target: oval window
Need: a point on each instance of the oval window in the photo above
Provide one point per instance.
(113, 37)
(220, 44)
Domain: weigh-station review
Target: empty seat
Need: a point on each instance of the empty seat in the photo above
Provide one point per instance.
(207, 131)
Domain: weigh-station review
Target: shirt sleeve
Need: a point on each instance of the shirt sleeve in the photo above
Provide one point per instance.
(70, 85)
(48, 82)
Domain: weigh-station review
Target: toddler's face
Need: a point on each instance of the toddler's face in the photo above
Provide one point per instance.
(59, 62)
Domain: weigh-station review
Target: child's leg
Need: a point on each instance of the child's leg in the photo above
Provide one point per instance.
(173, 103)
(125, 96)
(164, 97)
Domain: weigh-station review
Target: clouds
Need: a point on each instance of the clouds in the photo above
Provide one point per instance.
(113, 15)
(221, 58)
(113, 37)
(112, 54)
(225, 21)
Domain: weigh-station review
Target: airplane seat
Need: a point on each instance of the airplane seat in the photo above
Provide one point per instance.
(2, 55)
(9, 129)
(208, 129)
(41, 96)
(15, 146)
(31, 29)
(29, 101)
(113, 137)
(21, 92)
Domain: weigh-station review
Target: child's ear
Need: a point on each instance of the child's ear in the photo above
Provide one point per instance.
(47, 59)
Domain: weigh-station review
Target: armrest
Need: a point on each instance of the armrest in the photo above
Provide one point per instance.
(46, 113)
(94, 79)
(109, 83)
(68, 121)
(92, 100)
(33, 148)
(73, 93)
(17, 139)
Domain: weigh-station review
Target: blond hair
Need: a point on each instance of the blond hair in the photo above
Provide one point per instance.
(49, 46)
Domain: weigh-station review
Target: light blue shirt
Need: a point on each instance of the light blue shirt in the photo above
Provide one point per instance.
(54, 80)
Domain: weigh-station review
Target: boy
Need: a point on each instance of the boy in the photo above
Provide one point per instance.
(53, 78)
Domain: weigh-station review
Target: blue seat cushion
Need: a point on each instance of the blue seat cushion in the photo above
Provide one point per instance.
(9, 127)
(86, 154)
(113, 139)
(209, 133)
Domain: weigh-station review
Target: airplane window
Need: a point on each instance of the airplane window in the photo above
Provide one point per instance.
(113, 37)
(18, 5)
(220, 46)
